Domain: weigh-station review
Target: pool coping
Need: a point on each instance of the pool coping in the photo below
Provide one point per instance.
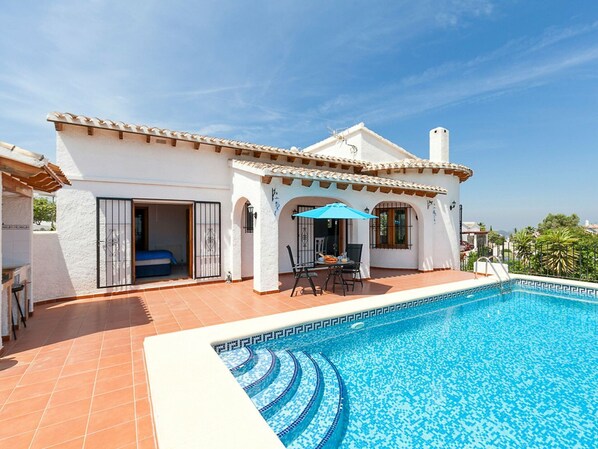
(194, 396)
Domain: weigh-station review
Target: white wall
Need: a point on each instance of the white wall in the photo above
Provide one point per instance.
(49, 269)
(128, 168)
(17, 220)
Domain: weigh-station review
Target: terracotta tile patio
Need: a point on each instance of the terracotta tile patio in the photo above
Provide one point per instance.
(76, 377)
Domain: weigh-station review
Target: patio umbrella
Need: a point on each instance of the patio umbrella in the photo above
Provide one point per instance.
(335, 211)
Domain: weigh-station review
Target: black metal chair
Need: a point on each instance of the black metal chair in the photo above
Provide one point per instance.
(354, 253)
(301, 272)
(17, 288)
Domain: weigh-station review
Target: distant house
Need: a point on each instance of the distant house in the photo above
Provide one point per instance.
(212, 208)
(474, 235)
(592, 228)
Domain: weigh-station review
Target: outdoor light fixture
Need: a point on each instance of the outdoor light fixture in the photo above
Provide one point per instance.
(293, 214)
(453, 205)
(255, 215)
(367, 210)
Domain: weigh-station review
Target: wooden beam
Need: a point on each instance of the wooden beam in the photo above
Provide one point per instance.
(89, 131)
(238, 152)
(257, 154)
(305, 161)
(217, 148)
(358, 187)
(398, 191)
(274, 157)
(357, 169)
(290, 159)
(307, 182)
(10, 184)
(345, 167)
(420, 193)
(388, 171)
(287, 181)
(324, 184)
(148, 138)
(420, 170)
(385, 189)
(266, 179)
(18, 168)
(196, 145)
(173, 142)
(58, 126)
(332, 164)
(320, 163)
(435, 170)
(120, 135)
(372, 188)
(342, 186)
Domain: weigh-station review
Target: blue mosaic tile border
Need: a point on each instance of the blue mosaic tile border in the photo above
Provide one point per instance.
(556, 287)
(327, 322)
(358, 316)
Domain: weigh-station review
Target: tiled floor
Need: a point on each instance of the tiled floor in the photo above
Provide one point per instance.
(75, 377)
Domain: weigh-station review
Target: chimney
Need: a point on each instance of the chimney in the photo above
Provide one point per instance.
(439, 145)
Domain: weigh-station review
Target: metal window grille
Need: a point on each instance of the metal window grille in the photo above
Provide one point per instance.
(393, 228)
(208, 246)
(114, 236)
(305, 237)
(248, 218)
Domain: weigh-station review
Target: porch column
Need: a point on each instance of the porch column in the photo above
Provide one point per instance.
(235, 247)
(426, 241)
(265, 249)
(363, 237)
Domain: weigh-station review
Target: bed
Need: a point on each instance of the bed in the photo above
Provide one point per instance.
(153, 263)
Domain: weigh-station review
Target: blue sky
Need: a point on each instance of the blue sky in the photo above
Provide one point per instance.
(514, 81)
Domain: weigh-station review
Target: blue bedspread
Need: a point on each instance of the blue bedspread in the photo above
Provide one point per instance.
(155, 254)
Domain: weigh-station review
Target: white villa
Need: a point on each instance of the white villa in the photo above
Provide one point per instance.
(224, 208)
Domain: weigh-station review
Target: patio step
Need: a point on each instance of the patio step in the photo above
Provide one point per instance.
(262, 374)
(239, 361)
(328, 423)
(281, 390)
(296, 414)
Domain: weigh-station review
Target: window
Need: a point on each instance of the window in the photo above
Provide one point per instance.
(392, 228)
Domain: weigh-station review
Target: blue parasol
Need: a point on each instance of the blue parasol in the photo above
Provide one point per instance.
(335, 211)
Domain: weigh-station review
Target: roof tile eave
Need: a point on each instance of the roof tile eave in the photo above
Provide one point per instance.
(269, 169)
(80, 120)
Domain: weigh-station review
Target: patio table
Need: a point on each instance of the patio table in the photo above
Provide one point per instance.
(335, 271)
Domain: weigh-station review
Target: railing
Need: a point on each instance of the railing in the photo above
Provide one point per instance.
(488, 261)
(578, 261)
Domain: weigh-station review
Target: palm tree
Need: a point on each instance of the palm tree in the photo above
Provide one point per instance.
(559, 251)
(523, 243)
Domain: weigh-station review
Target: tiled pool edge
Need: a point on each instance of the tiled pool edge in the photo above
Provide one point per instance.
(559, 287)
(193, 393)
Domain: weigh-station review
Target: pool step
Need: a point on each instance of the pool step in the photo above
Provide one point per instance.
(296, 414)
(281, 390)
(301, 396)
(262, 374)
(239, 361)
(327, 425)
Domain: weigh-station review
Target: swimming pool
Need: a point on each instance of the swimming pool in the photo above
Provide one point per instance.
(466, 369)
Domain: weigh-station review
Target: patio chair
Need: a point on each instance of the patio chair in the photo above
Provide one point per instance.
(301, 272)
(354, 254)
(320, 245)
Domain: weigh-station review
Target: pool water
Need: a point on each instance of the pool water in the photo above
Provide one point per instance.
(483, 370)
